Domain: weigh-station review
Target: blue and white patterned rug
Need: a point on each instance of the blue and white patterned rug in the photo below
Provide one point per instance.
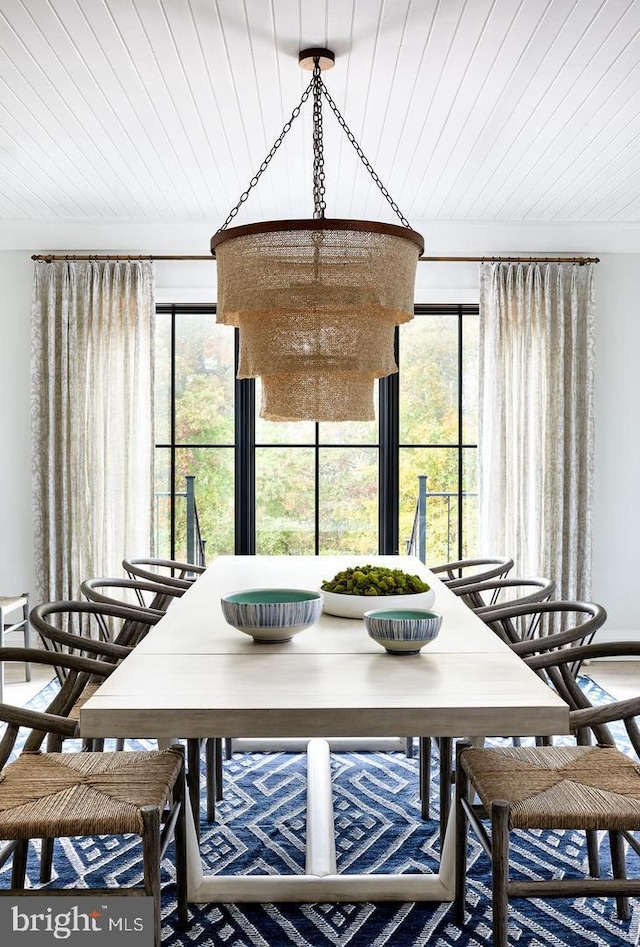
(260, 829)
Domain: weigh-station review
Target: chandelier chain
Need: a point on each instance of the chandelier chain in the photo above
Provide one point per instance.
(319, 205)
(265, 164)
(319, 89)
(352, 138)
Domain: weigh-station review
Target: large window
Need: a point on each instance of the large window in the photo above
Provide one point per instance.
(438, 423)
(294, 488)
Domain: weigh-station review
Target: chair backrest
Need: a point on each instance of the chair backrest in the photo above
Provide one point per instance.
(510, 591)
(465, 572)
(75, 673)
(81, 628)
(585, 719)
(149, 597)
(523, 626)
(171, 572)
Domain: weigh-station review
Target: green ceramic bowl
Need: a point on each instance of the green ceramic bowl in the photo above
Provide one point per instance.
(403, 630)
(272, 615)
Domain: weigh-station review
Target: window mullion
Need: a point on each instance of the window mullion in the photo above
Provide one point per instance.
(172, 434)
(460, 434)
(245, 462)
(388, 460)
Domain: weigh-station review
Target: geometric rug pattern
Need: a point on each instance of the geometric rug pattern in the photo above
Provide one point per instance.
(260, 829)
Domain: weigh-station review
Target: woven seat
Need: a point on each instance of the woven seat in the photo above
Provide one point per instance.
(568, 787)
(576, 787)
(50, 795)
(57, 795)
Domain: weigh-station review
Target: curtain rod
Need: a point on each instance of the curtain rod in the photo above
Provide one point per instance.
(582, 260)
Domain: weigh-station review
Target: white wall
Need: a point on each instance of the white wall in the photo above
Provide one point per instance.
(16, 530)
(617, 498)
(617, 461)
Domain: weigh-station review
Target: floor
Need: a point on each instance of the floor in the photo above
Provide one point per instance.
(18, 691)
(621, 679)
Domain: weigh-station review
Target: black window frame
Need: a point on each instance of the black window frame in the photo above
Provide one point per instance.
(388, 443)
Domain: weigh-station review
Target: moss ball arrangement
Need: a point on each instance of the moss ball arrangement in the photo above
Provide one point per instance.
(374, 580)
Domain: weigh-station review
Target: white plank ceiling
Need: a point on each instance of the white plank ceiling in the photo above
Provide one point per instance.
(469, 110)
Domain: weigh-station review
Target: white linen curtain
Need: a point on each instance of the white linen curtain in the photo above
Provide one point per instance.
(537, 327)
(92, 410)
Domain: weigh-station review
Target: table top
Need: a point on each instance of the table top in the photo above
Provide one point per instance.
(195, 675)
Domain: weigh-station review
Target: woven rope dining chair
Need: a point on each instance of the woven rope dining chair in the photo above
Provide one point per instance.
(89, 628)
(586, 618)
(51, 620)
(167, 579)
(172, 572)
(512, 590)
(582, 787)
(456, 575)
(98, 623)
(140, 593)
(524, 625)
(477, 595)
(49, 795)
(161, 595)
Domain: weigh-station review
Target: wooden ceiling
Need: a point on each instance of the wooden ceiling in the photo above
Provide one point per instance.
(469, 110)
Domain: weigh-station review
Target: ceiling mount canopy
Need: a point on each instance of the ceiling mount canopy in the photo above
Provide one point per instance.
(307, 58)
(316, 300)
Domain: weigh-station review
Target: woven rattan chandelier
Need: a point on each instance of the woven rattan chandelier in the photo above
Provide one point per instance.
(316, 301)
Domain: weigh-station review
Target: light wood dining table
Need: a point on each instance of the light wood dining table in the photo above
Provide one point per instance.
(196, 676)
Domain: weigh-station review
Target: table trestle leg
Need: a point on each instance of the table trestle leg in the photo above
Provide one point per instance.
(321, 843)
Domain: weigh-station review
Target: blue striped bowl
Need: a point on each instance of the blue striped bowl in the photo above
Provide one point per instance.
(403, 630)
(272, 615)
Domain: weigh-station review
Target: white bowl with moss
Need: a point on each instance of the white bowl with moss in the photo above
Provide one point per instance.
(361, 589)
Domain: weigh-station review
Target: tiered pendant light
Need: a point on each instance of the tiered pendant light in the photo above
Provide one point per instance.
(316, 300)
